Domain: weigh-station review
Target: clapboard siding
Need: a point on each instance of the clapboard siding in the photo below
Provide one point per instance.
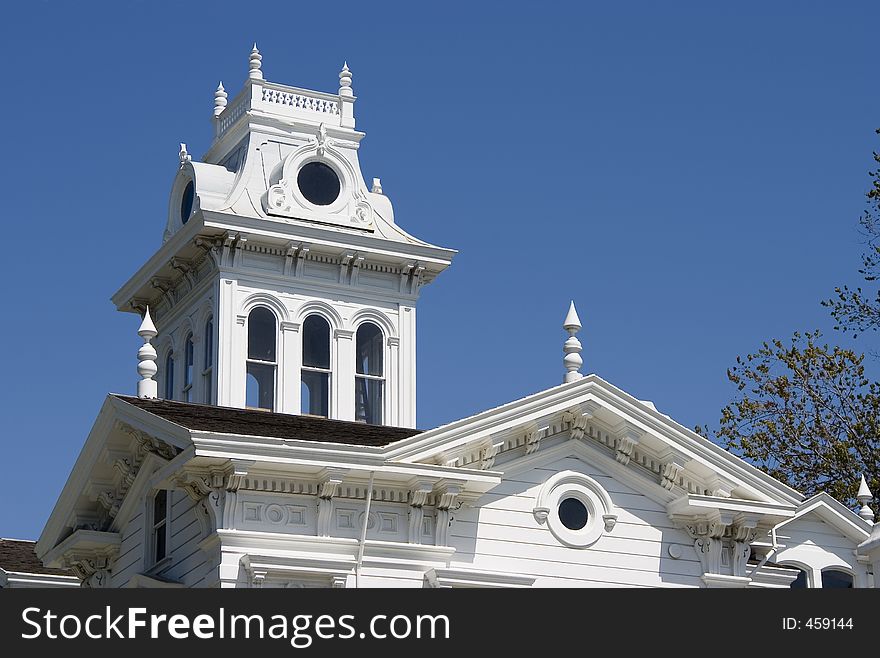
(500, 533)
(130, 560)
(189, 563)
(817, 532)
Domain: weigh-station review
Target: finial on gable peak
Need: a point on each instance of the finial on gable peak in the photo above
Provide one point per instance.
(220, 100)
(864, 496)
(572, 321)
(572, 346)
(345, 81)
(146, 368)
(255, 72)
(183, 154)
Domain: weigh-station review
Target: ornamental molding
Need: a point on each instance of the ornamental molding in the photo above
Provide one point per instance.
(723, 542)
(601, 512)
(351, 209)
(89, 555)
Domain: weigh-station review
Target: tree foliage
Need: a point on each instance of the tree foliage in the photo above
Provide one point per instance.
(858, 310)
(805, 411)
(806, 414)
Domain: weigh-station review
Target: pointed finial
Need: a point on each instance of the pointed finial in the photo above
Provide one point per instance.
(345, 81)
(183, 154)
(220, 99)
(147, 386)
(255, 63)
(377, 186)
(864, 496)
(572, 347)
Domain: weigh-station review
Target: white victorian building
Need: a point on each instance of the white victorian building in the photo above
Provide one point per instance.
(272, 440)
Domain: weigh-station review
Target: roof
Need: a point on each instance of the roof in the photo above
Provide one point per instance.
(18, 555)
(249, 422)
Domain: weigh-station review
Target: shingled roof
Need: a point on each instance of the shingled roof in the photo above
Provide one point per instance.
(249, 422)
(18, 555)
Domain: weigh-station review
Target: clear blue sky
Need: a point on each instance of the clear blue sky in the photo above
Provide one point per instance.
(691, 175)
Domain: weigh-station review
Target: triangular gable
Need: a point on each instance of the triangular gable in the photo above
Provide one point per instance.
(593, 410)
(835, 514)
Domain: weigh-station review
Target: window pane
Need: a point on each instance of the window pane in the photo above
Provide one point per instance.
(573, 514)
(261, 334)
(369, 350)
(316, 342)
(315, 391)
(209, 344)
(160, 506)
(368, 400)
(260, 390)
(160, 543)
(169, 377)
(189, 360)
(836, 579)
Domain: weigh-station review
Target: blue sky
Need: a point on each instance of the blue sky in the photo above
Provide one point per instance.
(691, 175)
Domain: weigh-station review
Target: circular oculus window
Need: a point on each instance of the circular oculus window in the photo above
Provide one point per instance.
(575, 508)
(318, 183)
(186, 202)
(573, 514)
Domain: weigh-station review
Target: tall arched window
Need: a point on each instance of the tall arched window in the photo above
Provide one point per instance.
(188, 367)
(208, 362)
(261, 362)
(315, 386)
(834, 578)
(169, 376)
(369, 379)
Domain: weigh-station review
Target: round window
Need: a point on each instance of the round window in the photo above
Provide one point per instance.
(186, 202)
(573, 514)
(318, 183)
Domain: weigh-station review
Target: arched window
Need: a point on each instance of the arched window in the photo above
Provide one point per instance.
(370, 374)
(208, 364)
(315, 384)
(169, 376)
(833, 578)
(261, 362)
(188, 363)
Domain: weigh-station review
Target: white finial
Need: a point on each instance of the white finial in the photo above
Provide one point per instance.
(377, 186)
(864, 496)
(572, 347)
(345, 81)
(147, 386)
(220, 99)
(255, 63)
(183, 154)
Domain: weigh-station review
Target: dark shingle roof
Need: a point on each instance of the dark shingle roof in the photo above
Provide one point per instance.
(18, 555)
(249, 422)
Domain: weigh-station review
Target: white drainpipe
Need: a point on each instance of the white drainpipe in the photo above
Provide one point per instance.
(360, 555)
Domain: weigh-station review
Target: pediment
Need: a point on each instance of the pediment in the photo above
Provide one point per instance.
(627, 434)
(124, 450)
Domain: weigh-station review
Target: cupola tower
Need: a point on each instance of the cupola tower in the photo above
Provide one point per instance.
(283, 282)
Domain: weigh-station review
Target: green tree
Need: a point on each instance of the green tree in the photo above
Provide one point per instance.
(806, 414)
(805, 411)
(858, 310)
